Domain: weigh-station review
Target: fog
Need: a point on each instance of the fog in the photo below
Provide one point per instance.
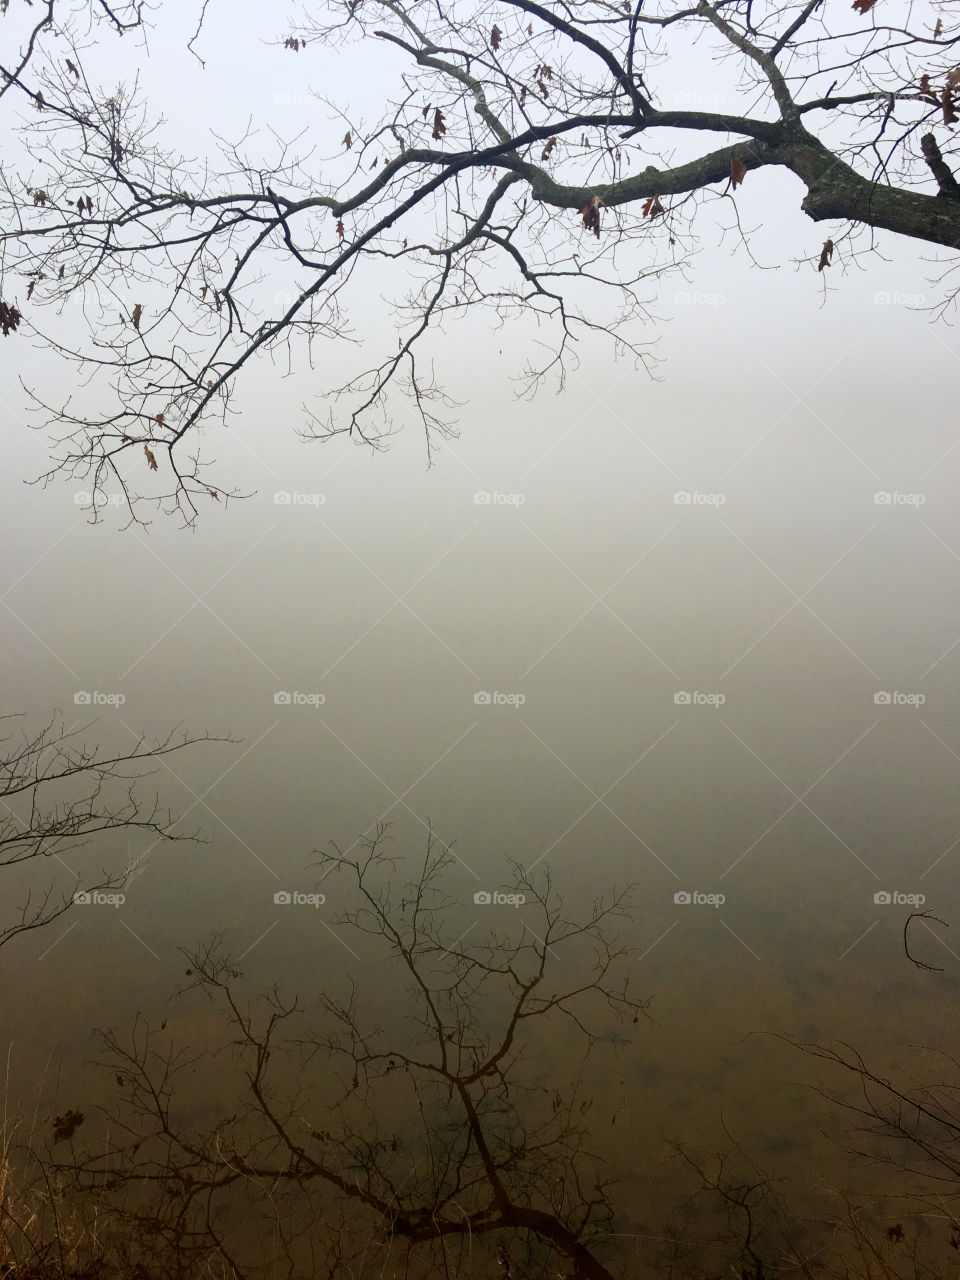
(696, 631)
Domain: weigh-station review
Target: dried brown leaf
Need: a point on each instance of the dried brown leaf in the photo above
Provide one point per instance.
(10, 317)
(590, 213)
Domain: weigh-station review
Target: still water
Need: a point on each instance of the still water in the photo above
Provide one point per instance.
(744, 710)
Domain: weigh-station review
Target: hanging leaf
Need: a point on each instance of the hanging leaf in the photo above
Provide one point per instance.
(40, 197)
(738, 171)
(439, 128)
(826, 254)
(938, 29)
(340, 230)
(529, 28)
(547, 150)
(160, 419)
(652, 208)
(946, 102)
(10, 317)
(135, 316)
(542, 75)
(496, 35)
(72, 69)
(590, 213)
(347, 140)
(213, 494)
(292, 42)
(863, 6)
(151, 460)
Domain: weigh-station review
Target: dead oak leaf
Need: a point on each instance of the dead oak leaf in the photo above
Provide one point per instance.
(10, 317)
(590, 213)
